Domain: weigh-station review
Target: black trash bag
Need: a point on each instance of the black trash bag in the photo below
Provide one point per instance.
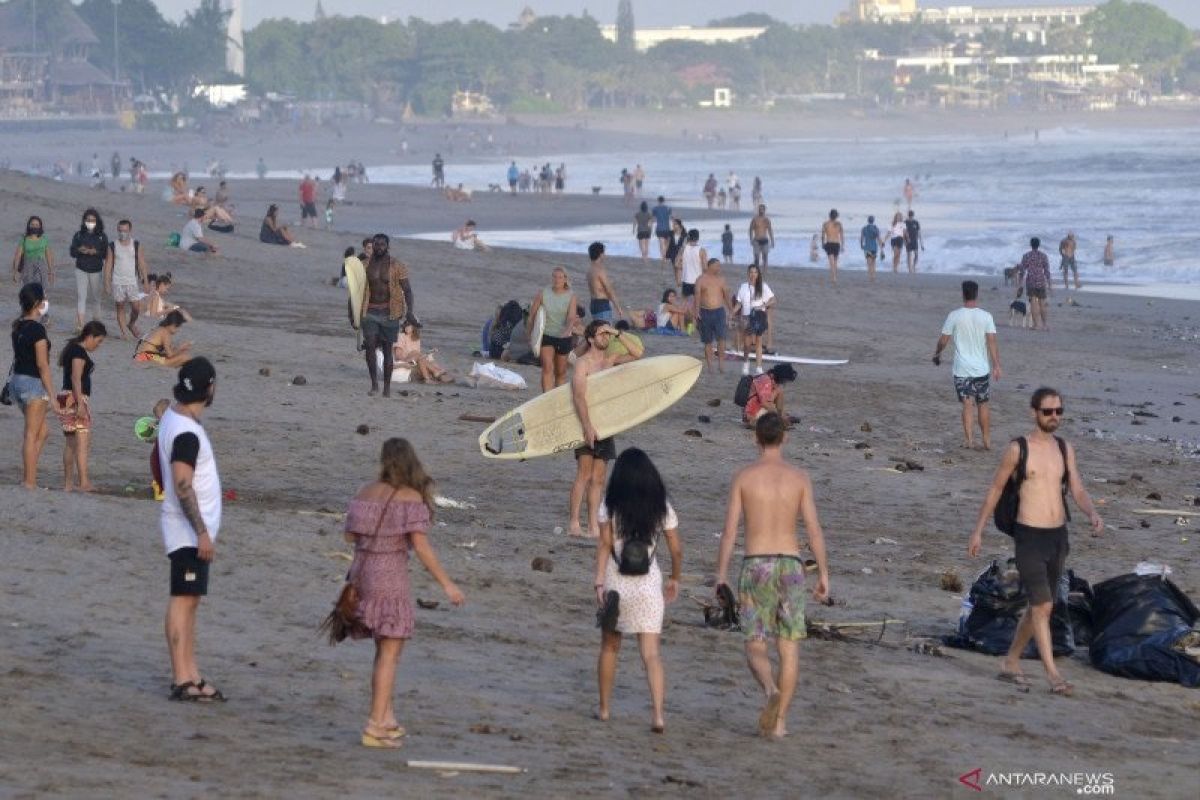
(1079, 608)
(997, 602)
(1139, 621)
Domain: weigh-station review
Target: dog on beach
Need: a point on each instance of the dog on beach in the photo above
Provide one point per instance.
(1017, 310)
(1010, 275)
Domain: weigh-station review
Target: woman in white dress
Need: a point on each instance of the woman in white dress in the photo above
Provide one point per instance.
(755, 300)
(635, 509)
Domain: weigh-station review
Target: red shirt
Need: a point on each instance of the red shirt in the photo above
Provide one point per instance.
(762, 390)
(308, 191)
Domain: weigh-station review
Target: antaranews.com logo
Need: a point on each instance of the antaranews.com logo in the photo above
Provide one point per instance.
(1087, 784)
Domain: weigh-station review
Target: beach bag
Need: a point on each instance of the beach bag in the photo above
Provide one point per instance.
(6, 393)
(1005, 515)
(173, 240)
(741, 395)
(343, 621)
(636, 557)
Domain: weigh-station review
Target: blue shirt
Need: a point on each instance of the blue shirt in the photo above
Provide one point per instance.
(870, 238)
(662, 217)
(513, 173)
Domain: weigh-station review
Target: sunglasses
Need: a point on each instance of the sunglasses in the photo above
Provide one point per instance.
(1051, 412)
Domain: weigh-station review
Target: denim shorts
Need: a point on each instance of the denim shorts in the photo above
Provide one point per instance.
(25, 389)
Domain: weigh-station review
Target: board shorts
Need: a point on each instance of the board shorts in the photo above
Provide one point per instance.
(712, 325)
(771, 597)
(560, 344)
(755, 322)
(601, 309)
(979, 388)
(308, 210)
(1041, 556)
(189, 575)
(688, 289)
(604, 450)
(832, 248)
(126, 293)
(74, 419)
(378, 326)
(1036, 293)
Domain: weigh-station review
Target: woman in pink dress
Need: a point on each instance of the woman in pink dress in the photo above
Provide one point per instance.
(385, 520)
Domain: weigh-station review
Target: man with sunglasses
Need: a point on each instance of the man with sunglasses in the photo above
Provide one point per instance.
(1040, 534)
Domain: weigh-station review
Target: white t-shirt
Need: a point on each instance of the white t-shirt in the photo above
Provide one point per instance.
(968, 327)
(692, 268)
(176, 530)
(747, 300)
(669, 523)
(897, 231)
(192, 233)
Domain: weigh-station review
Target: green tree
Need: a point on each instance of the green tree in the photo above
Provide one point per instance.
(147, 41)
(200, 44)
(1136, 33)
(625, 29)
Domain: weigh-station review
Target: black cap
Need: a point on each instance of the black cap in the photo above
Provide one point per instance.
(195, 378)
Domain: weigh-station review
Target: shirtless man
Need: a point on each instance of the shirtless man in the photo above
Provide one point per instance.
(713, 296)
(388, 301)
(771, 494)
(591, 459)
(762, 237)
(1040, 535)
(1066, 249)
(832, 239)
(604, 297)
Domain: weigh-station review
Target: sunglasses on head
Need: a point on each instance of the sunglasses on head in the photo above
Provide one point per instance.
(1051, 412)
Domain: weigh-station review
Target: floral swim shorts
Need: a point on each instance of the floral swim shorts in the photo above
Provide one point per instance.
(771, 596)
(74, 418)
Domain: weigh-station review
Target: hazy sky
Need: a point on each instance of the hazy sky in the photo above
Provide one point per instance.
(646, 12)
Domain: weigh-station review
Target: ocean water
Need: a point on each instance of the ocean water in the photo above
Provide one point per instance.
(979, 199)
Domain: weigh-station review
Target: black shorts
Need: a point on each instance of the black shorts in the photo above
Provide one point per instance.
(1037, 293)
(689, 290)
(377, 326)
(561, 345)
(910, 245)
(308, 210)
(756, 322)
(605, 450)
(189, 575)
(643, 235)
(832, 248)
(662, 234)
(1041, 556)
(897, 242)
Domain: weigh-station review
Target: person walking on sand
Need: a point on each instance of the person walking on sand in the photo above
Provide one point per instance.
(832, 239)
(89, 247)
(439, 172)
(1066, 249)
(675, 243)
(771, 495)
(976, 362)
(914, 241)
(635, 514)
(388, 301)
(642, 223)
(604, 297)
(754, 299)
(689, 265)
(662, 226)
(871, 241)
(1035, 280)
(386, 520)
(727, 244)
(30, 384)
(75, 399)
(559, 303)
(124, 276)
(592, 457)
(190, 520)
(762, 237)
(308, 202)
(33, 261)
(713, 295)
(896, 239)
(1045, 469)
(710, 190)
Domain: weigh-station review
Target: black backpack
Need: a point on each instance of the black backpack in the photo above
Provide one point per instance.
(1007, 508)
(745, 388)
(636, 557)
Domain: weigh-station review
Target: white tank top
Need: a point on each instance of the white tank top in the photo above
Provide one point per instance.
(691, 263)
(177, 531)
(124, 264)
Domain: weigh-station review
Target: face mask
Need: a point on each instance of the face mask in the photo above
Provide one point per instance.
(123, 236)
(44, 308)
(91, 226)
(32, 231)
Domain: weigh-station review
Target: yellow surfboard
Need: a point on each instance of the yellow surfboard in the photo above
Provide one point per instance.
(356, 284)
(618, 399)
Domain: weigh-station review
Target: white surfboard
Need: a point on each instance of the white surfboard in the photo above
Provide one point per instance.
(537, 331)
(812, 362)
(618, 399)
(356, 281)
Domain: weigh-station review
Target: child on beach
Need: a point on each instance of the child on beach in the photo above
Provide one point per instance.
(727, 245)
(156, 305)
(329, 214)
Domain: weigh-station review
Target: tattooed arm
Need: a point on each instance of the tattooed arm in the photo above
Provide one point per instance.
(184, 452)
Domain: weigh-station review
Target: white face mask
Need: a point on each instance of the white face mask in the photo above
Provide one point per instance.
(123, 236)
(91, 226)
(44, 308)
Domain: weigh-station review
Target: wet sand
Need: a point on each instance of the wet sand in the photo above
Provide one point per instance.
(510, 678)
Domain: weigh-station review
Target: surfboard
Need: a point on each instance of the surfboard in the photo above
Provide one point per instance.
(812, 362)
(356, 280)
(535, 334)
(618, 399)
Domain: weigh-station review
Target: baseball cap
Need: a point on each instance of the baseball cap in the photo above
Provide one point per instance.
(195, 378)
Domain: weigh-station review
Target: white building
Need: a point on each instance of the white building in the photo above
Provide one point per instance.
(1028, 22)
(645, 38)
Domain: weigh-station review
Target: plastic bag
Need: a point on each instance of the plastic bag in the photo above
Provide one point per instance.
(997, 603)
(1139, 622)
(494, 375)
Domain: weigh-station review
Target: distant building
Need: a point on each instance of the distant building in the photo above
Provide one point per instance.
(524, 20)
(967, 22)
(44, 65)
(882, 10)
(645, 38)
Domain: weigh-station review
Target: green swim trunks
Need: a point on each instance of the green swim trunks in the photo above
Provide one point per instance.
(771, 596)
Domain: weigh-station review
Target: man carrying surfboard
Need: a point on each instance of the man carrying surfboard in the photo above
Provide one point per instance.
(388, 301)
(591, 460)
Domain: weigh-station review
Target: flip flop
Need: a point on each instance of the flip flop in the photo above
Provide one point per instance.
(1063, 689)
(769, 716)
(1015, 678)
(381, 742)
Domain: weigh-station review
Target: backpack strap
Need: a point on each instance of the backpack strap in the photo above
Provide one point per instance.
(1019, 476)
(1062, 448)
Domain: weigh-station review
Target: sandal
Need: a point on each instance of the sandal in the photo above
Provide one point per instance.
(381, 742)
(179, 692)
(1017, 679)
(1063, 688)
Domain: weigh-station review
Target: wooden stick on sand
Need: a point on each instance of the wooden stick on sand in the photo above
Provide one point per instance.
(464, 766)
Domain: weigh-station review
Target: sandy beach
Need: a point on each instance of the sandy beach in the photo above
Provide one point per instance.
(510, 678)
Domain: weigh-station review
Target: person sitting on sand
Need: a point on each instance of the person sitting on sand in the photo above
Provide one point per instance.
(466, 238)
(766, 394)
(406, 352)
(272, 232)
(180, 195)
(156, 305)
(157, 347)
(215, 217)
(457, 195)
(192, 240)
(635, 510)
(671, 315)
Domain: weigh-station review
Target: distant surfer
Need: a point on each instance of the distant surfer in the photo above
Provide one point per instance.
(833, 237)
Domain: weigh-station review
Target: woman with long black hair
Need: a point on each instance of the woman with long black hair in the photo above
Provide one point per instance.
(89, 247)
(634, 513)
(29, 384)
